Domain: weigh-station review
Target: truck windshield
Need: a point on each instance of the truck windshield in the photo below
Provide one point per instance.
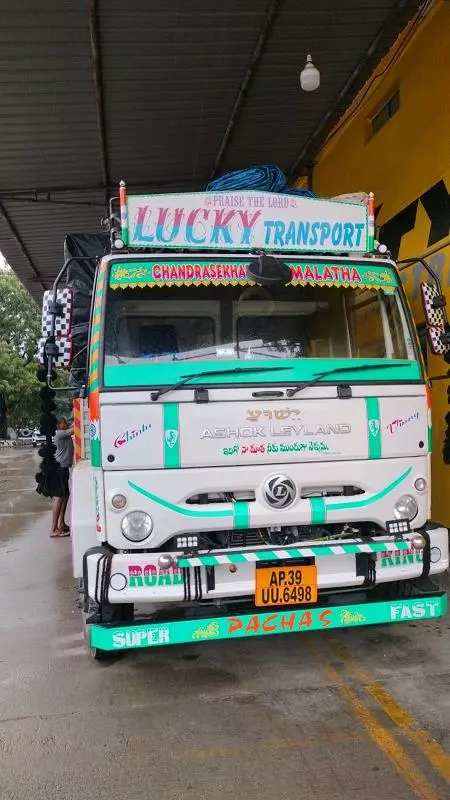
(216, 323)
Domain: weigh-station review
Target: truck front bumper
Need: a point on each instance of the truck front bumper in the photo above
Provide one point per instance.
(119, 578)
(159, 631)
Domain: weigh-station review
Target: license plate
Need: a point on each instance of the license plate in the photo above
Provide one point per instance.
(285, 586)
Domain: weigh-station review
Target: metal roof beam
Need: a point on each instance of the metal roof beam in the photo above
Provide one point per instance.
(98, 93)
(23, 249)
(35, 198)
(97, 187)
(269, 19)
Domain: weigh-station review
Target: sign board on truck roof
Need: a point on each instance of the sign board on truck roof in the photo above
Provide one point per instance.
(244, 220)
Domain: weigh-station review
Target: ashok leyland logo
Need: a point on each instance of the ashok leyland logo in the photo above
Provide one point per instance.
(171, 437)
(128, 435)
(279, 491)
(374, 426)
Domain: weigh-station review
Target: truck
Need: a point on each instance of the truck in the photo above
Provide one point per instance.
(253, 426)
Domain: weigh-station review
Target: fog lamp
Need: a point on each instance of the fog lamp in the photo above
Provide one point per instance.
(165, 561)
(418, 542)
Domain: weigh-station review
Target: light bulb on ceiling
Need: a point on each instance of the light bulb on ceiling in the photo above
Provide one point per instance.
(309, 76)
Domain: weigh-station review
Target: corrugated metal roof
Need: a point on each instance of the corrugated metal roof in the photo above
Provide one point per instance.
(170, 72)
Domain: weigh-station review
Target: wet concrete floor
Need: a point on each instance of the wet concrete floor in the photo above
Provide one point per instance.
(362, 713)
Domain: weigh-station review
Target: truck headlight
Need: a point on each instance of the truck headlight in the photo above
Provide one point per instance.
(137, 526)
(406, 507)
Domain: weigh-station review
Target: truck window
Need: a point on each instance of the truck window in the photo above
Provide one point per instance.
(214, 323)
(375, 326)
(160, 337)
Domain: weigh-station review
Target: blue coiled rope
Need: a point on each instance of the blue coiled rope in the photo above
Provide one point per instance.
(268, 178)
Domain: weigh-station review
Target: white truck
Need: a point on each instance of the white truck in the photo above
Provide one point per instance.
(259, 454)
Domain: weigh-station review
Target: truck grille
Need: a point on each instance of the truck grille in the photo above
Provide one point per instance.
(247, 539)
(282, 536)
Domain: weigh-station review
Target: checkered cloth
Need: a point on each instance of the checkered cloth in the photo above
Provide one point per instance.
(434, 316)
(63, 324)
(64, 358)
(436, 346)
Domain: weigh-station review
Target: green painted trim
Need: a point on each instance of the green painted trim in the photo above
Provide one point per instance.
(283, 554)
(325, 550)
(373, 427)
(171, 432)
(241, 515)
(240, 559)
(266, 623)
(138, 274)
(299, 370)
(240, 511)
(264, 555)
(430, 439)
(184, 510)
(318, 510)
(369, 500)
(292, 552)
(194, 271)
(96, 456)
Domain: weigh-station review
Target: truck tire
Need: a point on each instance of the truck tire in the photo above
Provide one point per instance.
(102, 655)
(113, 613)
(95, 652)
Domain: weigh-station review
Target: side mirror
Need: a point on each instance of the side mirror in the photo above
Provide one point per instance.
(60, 349)
(436, 322)
(61, 311)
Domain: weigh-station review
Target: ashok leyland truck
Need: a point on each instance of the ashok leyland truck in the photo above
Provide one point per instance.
(258, 419)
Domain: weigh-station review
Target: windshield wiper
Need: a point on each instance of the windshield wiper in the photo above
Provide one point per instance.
(318, 377)
(208, 373)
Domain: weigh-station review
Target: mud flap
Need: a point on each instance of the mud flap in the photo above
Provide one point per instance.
(104, 612)
(426, 554)
(366, 567)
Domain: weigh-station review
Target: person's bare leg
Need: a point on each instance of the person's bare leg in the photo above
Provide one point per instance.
(56, 513)
(62, 513)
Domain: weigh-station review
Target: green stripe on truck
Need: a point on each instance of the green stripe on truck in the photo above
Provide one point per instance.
(171, 426)
(373, 427)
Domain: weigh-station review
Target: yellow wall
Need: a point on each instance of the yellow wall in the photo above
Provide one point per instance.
(406, 164)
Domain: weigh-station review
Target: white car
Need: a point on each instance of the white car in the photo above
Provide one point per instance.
(37, 438)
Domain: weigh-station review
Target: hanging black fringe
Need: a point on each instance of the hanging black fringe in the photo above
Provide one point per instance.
(47, 478)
